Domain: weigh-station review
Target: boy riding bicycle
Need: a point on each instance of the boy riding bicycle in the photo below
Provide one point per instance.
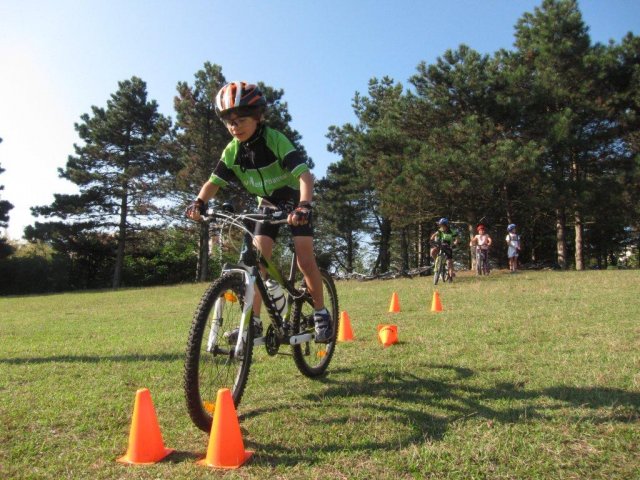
(446, 239)
(267, 165)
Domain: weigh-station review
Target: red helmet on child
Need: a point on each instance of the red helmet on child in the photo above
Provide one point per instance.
(480, 227)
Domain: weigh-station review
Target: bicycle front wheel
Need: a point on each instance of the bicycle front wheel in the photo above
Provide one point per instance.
(479, 264)
(437, 270)
(312, 359)
(212, 360)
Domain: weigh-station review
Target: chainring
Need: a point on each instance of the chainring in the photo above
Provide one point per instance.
(271, 341)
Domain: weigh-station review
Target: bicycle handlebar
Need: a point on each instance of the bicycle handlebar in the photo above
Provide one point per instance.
(439, 243)
(278, 217)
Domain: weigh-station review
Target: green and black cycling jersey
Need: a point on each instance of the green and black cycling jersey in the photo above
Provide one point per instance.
(446, 237)
(267, 165)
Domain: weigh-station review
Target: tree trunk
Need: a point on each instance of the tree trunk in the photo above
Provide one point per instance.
(384, 260)
(122, 233)
(420, 245)
(577, 215)
(202, 271)
(472, 250)
(404, 249)
(507, 204)
(349, 253)
(561, 246)
(578, 241)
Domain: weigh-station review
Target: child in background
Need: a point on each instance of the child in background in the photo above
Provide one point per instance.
(514, 246)
(482, 242)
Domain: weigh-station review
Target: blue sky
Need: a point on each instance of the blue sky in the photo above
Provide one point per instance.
(58, 58)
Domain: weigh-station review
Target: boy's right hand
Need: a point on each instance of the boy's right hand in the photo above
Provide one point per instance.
(195, 210)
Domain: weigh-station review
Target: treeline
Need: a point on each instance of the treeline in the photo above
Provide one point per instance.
(545, 136)
(135, 170)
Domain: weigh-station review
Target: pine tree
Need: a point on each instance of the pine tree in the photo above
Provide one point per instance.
(200, 137)
(341, 210)
(553, 44)
(121, 168)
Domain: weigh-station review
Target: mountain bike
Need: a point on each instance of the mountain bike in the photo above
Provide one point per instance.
(222, 335)
(482, 261)
(441, 269)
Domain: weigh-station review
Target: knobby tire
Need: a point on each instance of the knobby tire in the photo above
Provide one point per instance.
(312, 359)
(207, 372)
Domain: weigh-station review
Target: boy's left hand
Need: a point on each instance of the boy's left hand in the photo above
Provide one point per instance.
(300, 216)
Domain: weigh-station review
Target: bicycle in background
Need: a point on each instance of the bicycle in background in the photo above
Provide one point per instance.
(441, 268)
(482, 260)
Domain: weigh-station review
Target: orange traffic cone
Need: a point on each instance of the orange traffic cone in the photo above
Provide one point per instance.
(436, 306)
(145, 439)
(345, 334)
(388, 334)
(226, 448)
(394, 306)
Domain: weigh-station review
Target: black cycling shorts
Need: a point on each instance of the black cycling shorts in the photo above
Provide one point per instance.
(448, 251)
(271, 231)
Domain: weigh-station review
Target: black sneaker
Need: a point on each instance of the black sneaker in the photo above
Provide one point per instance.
(232, 336)
(323, 326)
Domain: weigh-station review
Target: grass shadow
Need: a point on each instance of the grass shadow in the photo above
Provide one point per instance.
(431, 406)
(159, 357)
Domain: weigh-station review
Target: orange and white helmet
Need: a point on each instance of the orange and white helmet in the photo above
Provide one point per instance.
(241, 97)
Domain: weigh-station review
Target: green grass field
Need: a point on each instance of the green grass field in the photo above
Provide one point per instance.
(535, 375)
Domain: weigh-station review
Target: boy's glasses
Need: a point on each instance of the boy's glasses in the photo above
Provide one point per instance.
(235, 122)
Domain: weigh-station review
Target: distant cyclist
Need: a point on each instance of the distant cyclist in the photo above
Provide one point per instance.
(446, 238)
(482, 242)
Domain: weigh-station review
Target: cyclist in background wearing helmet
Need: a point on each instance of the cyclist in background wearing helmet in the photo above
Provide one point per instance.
(514, 245)
(446, 238)
(482, 242)
(266, 164)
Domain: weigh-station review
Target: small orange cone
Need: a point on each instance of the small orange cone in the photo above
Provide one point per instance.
(388, 334)
(394, 306)
(436, 306)
(226, 448)
(145, 439)
(345, 334)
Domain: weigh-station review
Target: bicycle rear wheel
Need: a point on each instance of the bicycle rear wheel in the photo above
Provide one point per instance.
(312, 359)
(212, 362)
(485, 263)
(445, 271)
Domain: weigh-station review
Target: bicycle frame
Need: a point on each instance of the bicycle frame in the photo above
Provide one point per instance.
(248, 268)
(441, 264)
(444, 261)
